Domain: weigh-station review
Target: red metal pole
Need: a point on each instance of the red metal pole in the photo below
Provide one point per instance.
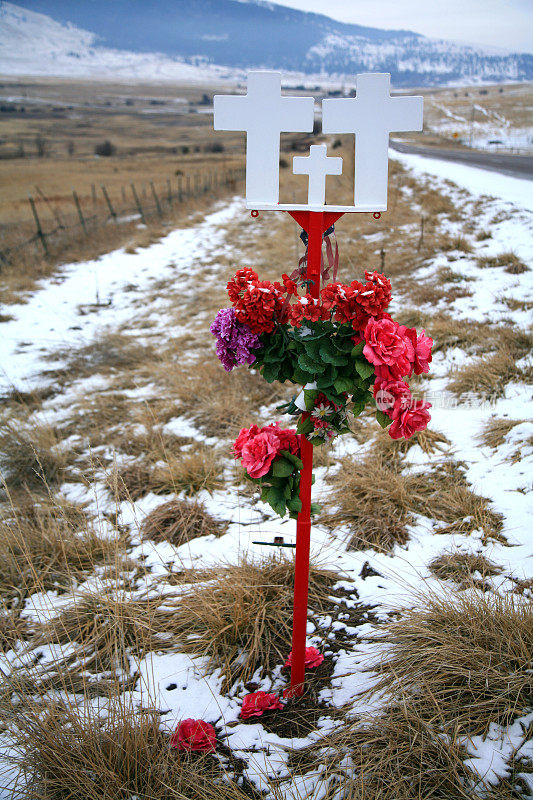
(315, 229)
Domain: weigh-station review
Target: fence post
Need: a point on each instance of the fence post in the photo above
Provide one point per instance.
(382, 257)
(80, 213)
(188, 185)
(108, 201)
(139, 207)
(52, 209)
(156, 198)
(169, 193)
(180, 190)
(93, 193)
(421, 239)
(123, 193)
(40, 233)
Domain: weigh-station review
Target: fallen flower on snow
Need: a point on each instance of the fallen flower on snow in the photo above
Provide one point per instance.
(313, 658)
(255, 704)
(194, 734)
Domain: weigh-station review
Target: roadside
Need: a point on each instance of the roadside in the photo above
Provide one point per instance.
(516, 166)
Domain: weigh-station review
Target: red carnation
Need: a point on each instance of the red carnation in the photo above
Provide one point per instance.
(239, 284)
(255, 704)
(313, 658)
(290, 285)
(287, 437)
(375, 296)
(194, 734)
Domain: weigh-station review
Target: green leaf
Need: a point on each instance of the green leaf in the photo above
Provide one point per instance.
(364, 369)
(316, 508)
(382, 418)
(307, 364)
(294, 505)
(358, 349)
(270, 372)
(282, 468)
(310, 396)
(292, 458)
(299, 376)
(343, 385)
(304, 426)
(358, 407)
(328, 354)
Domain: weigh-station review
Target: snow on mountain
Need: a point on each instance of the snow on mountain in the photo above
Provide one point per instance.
(34, 44)
(206, 39)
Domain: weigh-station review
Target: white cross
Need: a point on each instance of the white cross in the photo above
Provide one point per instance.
(372, 115)
(317, 165)
(263, 113)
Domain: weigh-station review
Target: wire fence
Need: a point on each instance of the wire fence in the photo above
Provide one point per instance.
(134, 204)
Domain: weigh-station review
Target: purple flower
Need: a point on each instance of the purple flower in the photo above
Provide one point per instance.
(235, 340)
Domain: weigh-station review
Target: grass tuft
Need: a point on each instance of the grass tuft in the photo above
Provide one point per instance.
(463, 568)
(496, 429)
(31, 455)
(465, 660)
(67, 753)
(509, 260)
(179, 521)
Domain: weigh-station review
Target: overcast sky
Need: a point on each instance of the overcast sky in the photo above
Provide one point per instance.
(501, 23)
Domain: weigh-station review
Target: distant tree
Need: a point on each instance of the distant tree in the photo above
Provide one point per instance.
(214, 147)
(71, 147)
(336, 143)
(185, 150)
(283, 163)
(105, 148)
(205, 101)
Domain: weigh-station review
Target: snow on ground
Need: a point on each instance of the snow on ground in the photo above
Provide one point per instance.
(176, 683)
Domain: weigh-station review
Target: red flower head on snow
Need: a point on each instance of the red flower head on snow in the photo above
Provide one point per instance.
(194, 734)
(255, 704)
(410, 421)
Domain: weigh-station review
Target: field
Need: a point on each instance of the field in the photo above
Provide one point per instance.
(133, 595)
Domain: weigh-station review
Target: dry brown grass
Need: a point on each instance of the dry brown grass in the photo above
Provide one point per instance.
(189, 472)
(31, 455)
(487, 377)
(496, 429)
(49, 544)
(241, 619)
(463, 661)
(394, 756)
(428, 440)
(509, 260)
(376, 501)
(464, 569)
(179, 521)
(221, 403)
(66, 753)
(110, 351)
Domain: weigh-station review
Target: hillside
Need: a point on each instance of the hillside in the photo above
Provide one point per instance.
(238, 35)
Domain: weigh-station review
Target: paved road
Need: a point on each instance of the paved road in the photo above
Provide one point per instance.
(516, 166)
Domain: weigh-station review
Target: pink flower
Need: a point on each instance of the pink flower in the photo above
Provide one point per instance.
(259, 452)
(255, 704)
(194, 734)
(392, 396)
(409, 421)
(245, 434)
(389, 348)
(313, 658)
(423, 353)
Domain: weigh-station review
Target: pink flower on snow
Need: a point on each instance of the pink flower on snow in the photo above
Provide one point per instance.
(255, 704)
(389, 347)
(194, 734)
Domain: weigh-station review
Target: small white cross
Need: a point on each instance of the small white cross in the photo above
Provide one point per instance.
(263, 113)
(372, 115)
(317, 165)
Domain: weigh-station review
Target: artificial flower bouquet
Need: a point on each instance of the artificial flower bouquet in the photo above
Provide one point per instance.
(271, 458)
(343, 348)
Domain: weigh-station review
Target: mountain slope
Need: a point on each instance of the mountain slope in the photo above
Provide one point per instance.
(240, 34)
